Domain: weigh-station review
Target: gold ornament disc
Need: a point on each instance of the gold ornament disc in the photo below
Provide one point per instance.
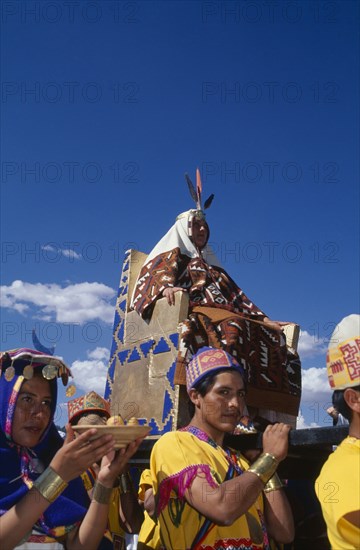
(28, 372)
(50, 372)
(70, 390)
(9, 374)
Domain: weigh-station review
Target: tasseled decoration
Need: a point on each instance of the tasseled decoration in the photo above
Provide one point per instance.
(180, 482)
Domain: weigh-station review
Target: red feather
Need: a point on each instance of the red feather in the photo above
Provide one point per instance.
(198, 182)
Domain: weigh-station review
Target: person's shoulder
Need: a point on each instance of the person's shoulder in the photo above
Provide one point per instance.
(349, 446)
(174, 439)
(172, 447)
(167, 439)
(339, 462)
(145, 478)
(329, 464)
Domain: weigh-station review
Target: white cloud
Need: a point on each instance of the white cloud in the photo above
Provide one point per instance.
(74, 303)
(315, 398)
(67, 252)
(309, 345)
(99, 353)
(8, 302)
(90, 374)
(316, 393)
(315, 385)
(301, 423)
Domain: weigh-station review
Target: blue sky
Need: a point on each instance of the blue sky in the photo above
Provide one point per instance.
(105, 105)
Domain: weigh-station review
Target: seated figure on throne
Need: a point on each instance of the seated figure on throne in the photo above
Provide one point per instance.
(220, 314)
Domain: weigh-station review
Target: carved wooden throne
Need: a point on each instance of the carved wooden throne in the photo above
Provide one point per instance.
(140, 379)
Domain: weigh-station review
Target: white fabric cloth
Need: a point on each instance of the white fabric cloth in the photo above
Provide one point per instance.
(39, 545)
(177, 237)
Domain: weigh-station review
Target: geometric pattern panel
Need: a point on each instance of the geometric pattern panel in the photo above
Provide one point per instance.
(140, 378)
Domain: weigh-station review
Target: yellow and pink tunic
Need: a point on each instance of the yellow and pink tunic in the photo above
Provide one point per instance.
(176, 460)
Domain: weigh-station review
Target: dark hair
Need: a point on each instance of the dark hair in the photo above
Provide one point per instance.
(206, 383)
(340, 404)
(88, 412)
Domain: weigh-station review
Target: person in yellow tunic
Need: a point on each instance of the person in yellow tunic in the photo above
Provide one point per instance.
(125, 514)
(338, 485)
(93, 410)
(207, 495)
(149, 535)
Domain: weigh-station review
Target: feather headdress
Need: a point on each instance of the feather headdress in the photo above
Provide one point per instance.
(196, 193)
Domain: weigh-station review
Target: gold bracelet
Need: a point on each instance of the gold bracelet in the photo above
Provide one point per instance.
(273, 484)
(264, 467)
(49, 484)
(101, 494)
(125, 485)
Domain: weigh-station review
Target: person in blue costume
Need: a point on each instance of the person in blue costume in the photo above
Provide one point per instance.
(43, 503)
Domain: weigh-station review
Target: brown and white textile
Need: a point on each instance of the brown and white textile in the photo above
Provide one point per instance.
(221, 316)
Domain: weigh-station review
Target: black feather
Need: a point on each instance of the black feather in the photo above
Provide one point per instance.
(208, 201)
(192, 190)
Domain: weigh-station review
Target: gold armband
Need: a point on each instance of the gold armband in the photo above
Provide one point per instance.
(101, 494)
(273, 484)
(125, 485)
(264, 467)
(50, 485)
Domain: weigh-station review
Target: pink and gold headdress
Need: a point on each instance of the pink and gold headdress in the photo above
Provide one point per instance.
(90, 402)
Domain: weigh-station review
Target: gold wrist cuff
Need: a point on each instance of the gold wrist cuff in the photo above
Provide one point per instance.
(264, 467)
(101, 494)
(50, 485)
(273, 484)
(125, 485)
